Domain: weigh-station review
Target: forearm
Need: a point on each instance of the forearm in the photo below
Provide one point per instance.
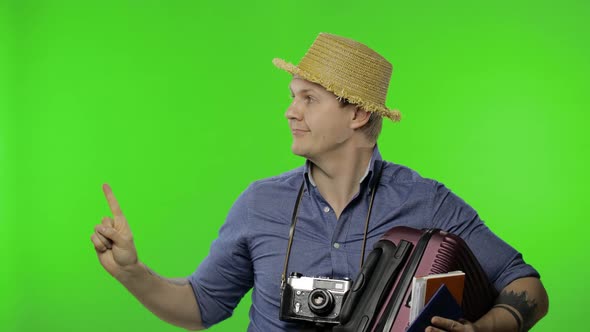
(520, 304)
(172, 300)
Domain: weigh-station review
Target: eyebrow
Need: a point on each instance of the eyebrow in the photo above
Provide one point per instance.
(304, 90)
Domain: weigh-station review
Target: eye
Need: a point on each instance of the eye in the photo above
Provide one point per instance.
(308, 99)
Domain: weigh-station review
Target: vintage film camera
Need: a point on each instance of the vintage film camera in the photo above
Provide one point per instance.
(317, 300)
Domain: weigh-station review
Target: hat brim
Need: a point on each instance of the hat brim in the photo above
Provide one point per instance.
(385, 112)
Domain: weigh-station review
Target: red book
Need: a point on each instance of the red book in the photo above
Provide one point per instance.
(423, 288)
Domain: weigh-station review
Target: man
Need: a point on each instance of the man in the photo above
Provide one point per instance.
(338, 91)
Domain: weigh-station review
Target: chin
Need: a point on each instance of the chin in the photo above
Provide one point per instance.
(299, 150)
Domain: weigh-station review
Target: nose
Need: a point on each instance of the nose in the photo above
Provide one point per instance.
(294, 111)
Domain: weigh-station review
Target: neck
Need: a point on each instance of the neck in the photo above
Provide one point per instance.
(338, 175)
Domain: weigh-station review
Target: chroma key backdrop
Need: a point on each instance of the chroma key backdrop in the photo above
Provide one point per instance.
(177, 106)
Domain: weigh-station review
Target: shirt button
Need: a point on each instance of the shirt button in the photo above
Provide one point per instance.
(336, 245)
(326, 209)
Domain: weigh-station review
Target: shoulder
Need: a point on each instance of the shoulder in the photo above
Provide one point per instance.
(266, 197)
(283, 180)
(406, 182)
(403, 175)
(275, 188)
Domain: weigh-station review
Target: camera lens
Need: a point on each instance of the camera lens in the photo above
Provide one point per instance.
(320, 301)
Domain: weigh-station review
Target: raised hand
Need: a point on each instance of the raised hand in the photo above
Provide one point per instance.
(113, 239)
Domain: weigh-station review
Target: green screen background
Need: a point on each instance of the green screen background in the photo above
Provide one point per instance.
(177, 105)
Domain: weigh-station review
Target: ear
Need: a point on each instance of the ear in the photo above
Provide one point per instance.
(360, 118)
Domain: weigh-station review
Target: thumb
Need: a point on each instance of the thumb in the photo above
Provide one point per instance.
(110, 233)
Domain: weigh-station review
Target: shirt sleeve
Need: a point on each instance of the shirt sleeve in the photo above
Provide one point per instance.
(226, 274)
(501, 262)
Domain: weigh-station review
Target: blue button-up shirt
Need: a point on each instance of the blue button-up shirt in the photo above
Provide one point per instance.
(250, 250)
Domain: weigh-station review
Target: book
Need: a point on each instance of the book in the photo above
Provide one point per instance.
(441, 304)
(423, 288)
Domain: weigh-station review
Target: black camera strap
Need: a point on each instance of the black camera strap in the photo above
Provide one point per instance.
(294, 222)
(292, 233)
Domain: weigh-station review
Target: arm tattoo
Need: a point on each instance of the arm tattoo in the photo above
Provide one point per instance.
(518, 301)
(173, 281)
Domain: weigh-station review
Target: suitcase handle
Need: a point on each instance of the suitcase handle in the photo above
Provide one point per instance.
(404, 282)
(386, 266)
(359, 285)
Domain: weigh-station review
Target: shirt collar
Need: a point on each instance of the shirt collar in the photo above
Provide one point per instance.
(368, 173)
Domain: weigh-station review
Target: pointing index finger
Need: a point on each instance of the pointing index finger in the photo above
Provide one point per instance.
(113, 204)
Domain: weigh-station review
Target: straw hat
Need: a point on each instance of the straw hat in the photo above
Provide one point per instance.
(348, 69)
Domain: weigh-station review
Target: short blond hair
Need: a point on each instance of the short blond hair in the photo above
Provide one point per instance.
(372, 129)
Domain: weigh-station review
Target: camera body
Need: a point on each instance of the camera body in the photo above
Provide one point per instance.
(317, 300)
